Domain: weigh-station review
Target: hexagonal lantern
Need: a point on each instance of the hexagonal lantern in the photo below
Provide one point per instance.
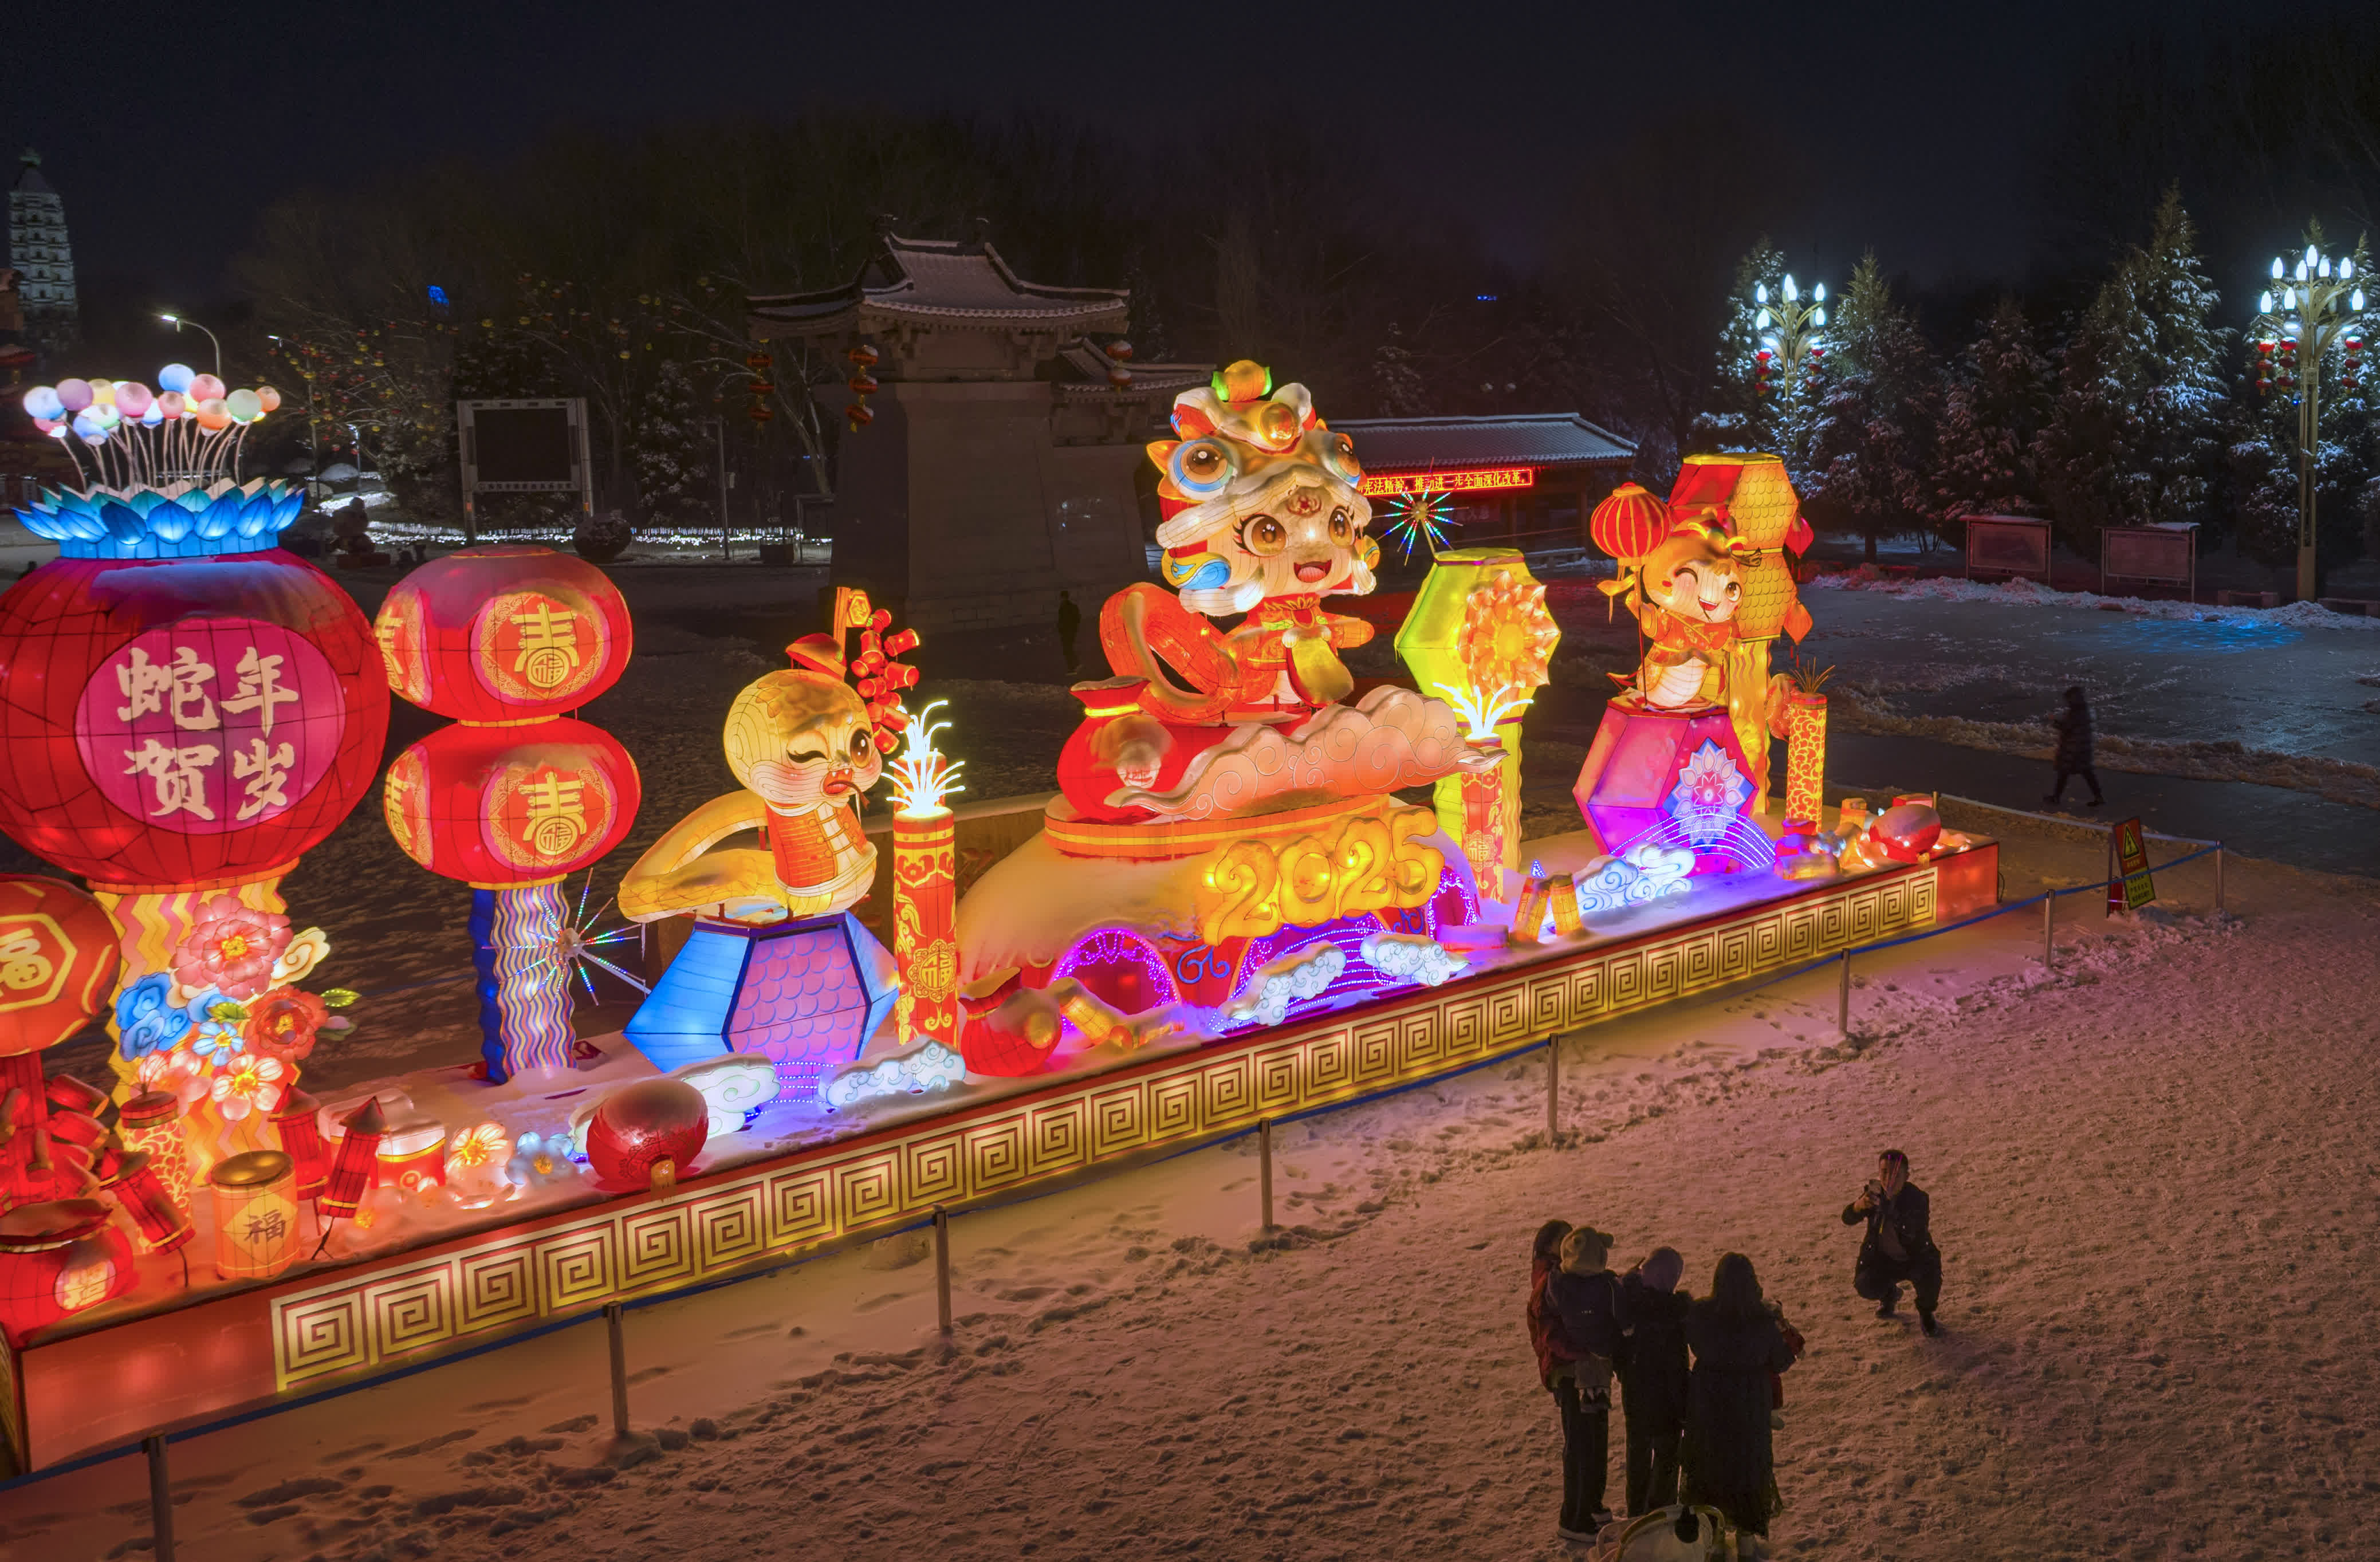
(805, 995)
(1674, 779)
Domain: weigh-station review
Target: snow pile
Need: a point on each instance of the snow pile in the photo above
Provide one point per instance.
(2033, 594)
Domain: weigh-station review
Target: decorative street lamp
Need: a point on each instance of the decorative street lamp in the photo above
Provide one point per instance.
(2318, 306)
(176, 322)
(1788, 328)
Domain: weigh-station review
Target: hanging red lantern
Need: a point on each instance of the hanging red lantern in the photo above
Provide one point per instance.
(498, 806)
(860, 416)
(504, 634)
(1630, 522)
(58, 959)
(863, 384)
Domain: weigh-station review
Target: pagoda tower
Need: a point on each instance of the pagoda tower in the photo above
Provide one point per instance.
(43, 259)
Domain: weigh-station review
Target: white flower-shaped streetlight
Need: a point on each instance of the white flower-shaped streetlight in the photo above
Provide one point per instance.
(2315, 307)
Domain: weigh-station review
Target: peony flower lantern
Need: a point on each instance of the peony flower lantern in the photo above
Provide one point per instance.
(517, 795)
(191, 708)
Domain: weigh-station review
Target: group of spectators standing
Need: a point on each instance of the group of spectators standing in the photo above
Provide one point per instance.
(1700, 1379)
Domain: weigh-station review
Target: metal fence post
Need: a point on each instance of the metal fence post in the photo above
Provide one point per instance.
(1843, 1006)
(1553, 1088)
(613, 1317)
(2218, 876)
(2048, 928)
(1264, 1170)
(160, 1497)
(942, 1266)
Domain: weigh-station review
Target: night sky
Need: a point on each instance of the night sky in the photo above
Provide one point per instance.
(167, 129)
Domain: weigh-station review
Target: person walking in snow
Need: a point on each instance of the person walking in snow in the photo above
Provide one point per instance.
(1551, 1345)
(1653, 1376)
(1586, 1294)
(2074, 748)
(1900, 1240)
(1738, 1345)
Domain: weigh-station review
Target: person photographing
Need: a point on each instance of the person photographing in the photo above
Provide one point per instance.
(1899, 1242)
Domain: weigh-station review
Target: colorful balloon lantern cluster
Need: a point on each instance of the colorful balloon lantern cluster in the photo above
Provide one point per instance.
(95, 409)
(515, 795)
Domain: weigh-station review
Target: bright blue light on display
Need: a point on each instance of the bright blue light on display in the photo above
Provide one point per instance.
(437, 295)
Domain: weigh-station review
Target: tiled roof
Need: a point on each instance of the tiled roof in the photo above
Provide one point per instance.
(1535, 439)
(949, 280)
(1083, 370)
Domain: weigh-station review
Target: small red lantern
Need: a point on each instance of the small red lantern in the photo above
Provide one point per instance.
(503, 634)
(1630, 523)
(58, 959)
(57, 1259)
(501, 806)
(639, 1128)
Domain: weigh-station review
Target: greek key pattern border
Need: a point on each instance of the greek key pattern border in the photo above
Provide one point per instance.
(402, 1309)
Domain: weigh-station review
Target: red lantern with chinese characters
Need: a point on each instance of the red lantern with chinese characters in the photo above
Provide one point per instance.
(507, 803)
(57, 1259)
(59, 960)
(186, 725)
(499, 807)
(503, 634)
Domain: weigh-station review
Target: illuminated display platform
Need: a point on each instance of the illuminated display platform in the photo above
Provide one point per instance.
(799, 1179)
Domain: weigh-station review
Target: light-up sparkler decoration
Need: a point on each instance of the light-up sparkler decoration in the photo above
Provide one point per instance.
(1486, 832)
(1417, 518)
(925, 842)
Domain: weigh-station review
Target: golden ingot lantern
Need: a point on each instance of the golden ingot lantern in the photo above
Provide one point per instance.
(1479, 625)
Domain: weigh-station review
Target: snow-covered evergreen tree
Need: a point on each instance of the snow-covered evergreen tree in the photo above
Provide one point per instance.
(1871, 449)
(2138, 424)
(668, 453)
(1991, 416)
(1399, 387)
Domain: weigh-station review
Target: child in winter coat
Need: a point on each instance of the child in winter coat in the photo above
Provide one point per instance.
(1586, 1294)
(1653, 1376)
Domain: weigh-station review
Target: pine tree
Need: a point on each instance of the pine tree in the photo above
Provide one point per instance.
(1872, 448)
(1991, 417)
(666, 449)
(2136, 430)
(1399, 387)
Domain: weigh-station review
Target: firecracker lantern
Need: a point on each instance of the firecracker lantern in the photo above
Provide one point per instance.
(57, 1259)
(925, 886)
(190, 707)
(507, 803)
(151, 1123)
(256, 1214)
(297, 1121)
(355, 1162)
(130, 1178)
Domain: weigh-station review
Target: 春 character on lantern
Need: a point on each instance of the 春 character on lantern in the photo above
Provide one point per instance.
(776, 964)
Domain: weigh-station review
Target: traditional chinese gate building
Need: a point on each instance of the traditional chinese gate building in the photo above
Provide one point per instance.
(1529, 480)
(1004, 461)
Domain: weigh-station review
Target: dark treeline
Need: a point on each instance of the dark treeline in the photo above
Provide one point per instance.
(2110, 384)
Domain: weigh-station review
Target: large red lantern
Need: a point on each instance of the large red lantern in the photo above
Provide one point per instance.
(509, 804)
(1628, 523)
(496, 635)
(186, 708)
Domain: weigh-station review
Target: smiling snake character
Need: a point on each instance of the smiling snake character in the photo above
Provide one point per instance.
(1684, 593)
(803, 742)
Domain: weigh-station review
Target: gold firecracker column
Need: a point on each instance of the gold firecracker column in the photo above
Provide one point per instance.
(1805, 756)
(924, 897)
(1489, 838)
(256, 1214)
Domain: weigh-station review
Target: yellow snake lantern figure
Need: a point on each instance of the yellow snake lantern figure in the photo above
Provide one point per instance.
(1684, 593)
(807, 747)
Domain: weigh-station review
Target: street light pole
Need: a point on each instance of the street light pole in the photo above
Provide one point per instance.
(2320, 306)
(176, 322)
(1788, 326)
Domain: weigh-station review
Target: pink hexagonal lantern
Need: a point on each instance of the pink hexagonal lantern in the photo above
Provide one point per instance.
(1675, 779)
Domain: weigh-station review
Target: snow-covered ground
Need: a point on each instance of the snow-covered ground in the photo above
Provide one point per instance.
(2151, 1170)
